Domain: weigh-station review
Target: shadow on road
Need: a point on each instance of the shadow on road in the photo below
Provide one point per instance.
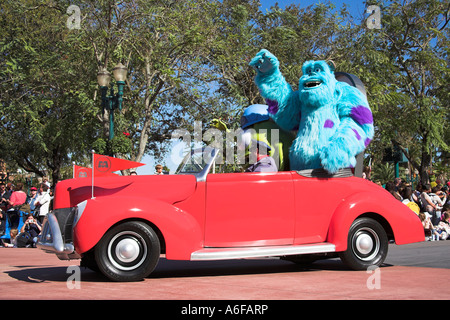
(52, 274)
(181, 269)
(176, 269)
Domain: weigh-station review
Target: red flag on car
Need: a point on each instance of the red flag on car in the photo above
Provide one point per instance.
(104, 165)
(81, 172)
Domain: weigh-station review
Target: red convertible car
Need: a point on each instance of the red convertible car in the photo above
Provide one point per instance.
(200, 215)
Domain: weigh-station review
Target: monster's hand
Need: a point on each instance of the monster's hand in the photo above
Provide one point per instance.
(265, 62)
(219, 124)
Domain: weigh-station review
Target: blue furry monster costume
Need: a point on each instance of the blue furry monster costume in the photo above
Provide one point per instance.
(333, 119)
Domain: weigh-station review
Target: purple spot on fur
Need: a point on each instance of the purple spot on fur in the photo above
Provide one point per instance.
(362, 115)
(366, 142)
(273, 106)
(357, 134)
(328, 124)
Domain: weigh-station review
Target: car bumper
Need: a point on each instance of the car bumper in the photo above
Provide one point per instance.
(56, 235)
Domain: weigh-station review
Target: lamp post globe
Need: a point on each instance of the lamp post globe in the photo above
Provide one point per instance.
(120, 72)
(112, 101)
(103, 78)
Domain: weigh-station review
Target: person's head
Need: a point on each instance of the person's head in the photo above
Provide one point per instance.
(254, 149)
(18, 186)
(446, 216)
(426, 188)
(390, 186)
(262, 148)
(422, 216)
(406, 192)
(2, 187)
(44, 187)
(158, 168)
(435, 189)
(33, 191)
(13, 233)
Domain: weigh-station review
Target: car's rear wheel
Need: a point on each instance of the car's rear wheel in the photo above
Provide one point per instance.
(128, 251)
(367, 244)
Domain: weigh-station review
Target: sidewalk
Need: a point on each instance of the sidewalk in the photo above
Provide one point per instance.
(26, 273)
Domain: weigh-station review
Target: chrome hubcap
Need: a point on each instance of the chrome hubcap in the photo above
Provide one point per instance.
(127, 250)
(366, 244)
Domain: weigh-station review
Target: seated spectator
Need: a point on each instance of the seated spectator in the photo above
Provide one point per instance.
(443, 228)
(431, 209)
(29, 232)
(417, 192)
(407, 196)
(391, 188)
(397, 184)
(12, 240)
(438, 197)
(430, 231)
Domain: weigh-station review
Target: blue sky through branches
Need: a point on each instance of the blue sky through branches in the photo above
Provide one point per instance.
(357, 10)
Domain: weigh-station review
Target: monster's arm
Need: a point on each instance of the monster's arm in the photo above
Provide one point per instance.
(282, 100)
(354, 133)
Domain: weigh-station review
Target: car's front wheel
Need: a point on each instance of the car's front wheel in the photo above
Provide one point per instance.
(128, 251)
(367, 244)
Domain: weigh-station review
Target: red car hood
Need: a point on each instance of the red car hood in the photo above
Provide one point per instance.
(167, 188)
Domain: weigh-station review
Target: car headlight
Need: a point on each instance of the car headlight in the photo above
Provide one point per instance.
(80, 209)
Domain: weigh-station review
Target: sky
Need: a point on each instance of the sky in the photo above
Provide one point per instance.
(355, 7)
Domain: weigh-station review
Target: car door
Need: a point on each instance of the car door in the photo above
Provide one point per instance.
(249, 209)
(317, 200)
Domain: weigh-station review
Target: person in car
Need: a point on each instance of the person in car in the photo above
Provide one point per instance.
(264, 162)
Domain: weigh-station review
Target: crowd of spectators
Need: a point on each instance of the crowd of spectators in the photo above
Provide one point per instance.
(431, 202)
(22, 215)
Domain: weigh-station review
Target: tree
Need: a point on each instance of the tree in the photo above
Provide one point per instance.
(162, 44)
(45, 85)
(407, 75)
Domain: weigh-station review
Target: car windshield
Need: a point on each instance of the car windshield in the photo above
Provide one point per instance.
(195, 161)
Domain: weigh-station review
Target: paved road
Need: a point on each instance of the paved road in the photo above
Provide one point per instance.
(410, 272)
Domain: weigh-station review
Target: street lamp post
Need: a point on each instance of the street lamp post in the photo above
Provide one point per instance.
(112, 101)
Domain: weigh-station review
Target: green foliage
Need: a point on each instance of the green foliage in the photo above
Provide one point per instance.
(410, 55)
(383, 172)
(188, 60)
